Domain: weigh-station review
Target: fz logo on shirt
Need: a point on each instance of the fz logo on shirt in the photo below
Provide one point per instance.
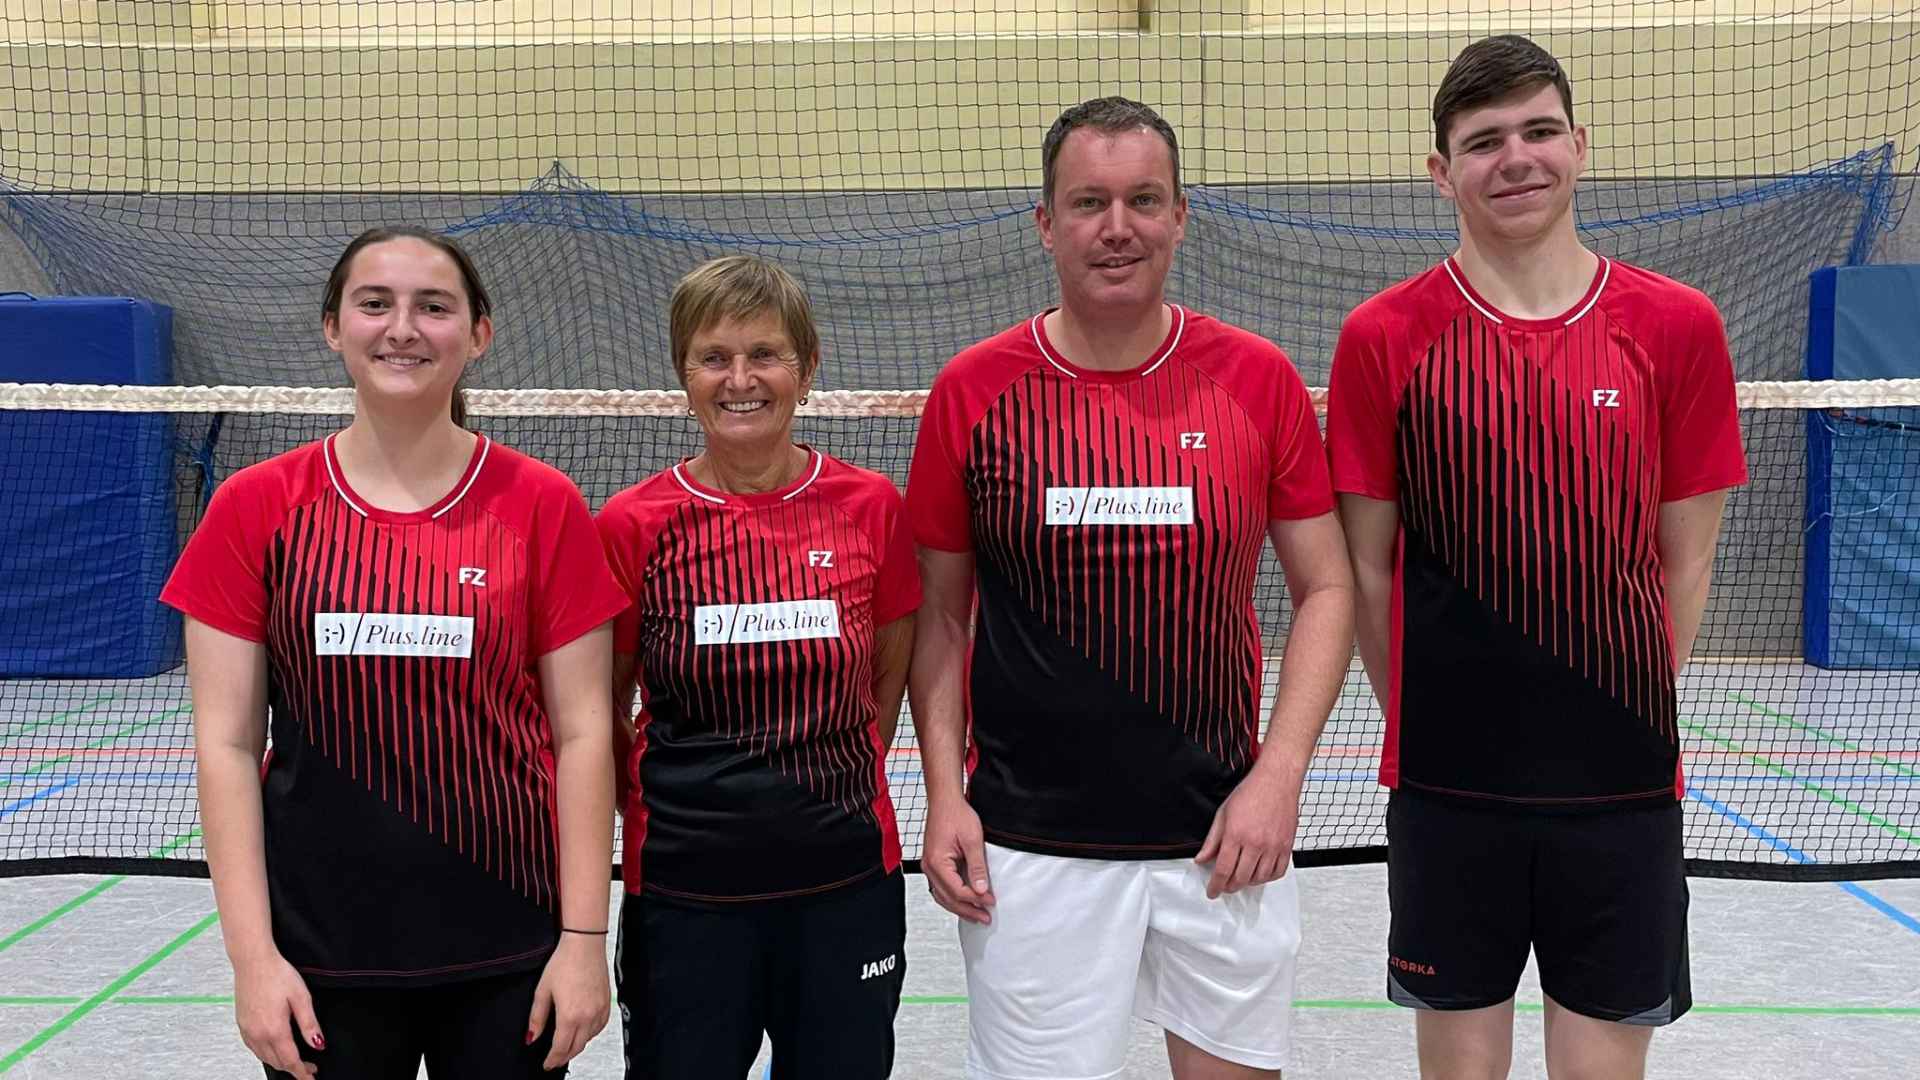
(1193, 440)
(473, 575)
(822, 559)
(1606, 399)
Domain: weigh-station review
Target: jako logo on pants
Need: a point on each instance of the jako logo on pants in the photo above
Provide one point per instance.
(879, 967)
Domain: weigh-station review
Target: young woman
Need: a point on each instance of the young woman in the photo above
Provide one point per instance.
(419, 615)
(773, 589)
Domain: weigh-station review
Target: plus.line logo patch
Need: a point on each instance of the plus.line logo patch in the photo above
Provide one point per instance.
(1119, 506)
(785, 620)
(372, 633)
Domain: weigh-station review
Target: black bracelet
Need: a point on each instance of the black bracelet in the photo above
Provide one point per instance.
(594, 933)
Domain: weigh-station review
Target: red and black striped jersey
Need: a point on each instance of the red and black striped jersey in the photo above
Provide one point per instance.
(1531, 650)
(757, 769)
(409, 790)
(1116, 520)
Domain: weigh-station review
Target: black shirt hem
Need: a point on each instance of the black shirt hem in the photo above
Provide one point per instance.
(530, 960)
(1109, 852)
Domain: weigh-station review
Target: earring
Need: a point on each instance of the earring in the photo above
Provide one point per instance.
(690, 412)
(803, 399)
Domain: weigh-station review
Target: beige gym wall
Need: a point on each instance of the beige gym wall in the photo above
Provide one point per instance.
(156, 95)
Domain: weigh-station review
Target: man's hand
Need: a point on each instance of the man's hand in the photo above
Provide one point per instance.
(1251, 842)
(953, 856)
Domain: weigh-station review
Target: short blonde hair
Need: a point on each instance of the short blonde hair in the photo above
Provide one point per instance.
(740, 287)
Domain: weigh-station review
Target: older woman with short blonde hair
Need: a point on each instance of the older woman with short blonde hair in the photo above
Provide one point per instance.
(773, 589)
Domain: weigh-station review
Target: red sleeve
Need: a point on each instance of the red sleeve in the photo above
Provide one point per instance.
(628, 544)
(936, 494)
(573, 591)
(896, 588)
(1297, 486)
(221, 576)
(1361, 393)
(1699, 413)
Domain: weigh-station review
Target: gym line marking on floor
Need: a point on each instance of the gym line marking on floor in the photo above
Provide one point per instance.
(1833, 797)
(122, 733)
(80, 710)
(106, 994)
(1788, 719)
(1870, 899)
(84, 898)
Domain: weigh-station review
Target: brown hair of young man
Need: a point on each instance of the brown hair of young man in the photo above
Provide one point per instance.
(1489, 70)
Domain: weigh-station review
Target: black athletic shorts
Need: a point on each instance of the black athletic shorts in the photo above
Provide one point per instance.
(819, 974)
(464, 1030)
(1600, 897)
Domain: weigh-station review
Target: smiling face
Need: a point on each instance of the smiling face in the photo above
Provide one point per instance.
(1114, 221)
(405, 326)
(744, 377)
(1512, 165)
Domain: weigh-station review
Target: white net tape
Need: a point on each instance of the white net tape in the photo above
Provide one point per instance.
(70, 397)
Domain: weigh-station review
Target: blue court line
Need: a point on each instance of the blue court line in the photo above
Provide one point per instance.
(23, 803)
(1799, 856)
(1882, 906)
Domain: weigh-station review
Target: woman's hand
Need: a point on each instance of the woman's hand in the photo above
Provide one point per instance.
(574, 989)
(270, 1000)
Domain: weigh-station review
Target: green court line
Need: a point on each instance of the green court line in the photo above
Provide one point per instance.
(52, 1030)
(50, 917)
(57, 717)
(74, 904)
(102, 741)
(1819, 734)
(1831, 796)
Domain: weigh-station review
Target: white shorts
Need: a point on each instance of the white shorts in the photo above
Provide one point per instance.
(1078, 947)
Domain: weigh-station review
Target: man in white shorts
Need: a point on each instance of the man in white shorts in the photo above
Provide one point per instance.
(1102, 814)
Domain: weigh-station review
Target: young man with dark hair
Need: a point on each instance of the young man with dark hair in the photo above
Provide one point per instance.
(1103, 477)
(1532, 445)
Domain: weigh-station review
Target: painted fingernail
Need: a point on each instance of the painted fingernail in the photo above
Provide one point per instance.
(319, 1041)
(530, 1036)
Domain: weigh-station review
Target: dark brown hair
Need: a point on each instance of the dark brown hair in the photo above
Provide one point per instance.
(479, 304)
(1489, 70)
(1111, 116)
